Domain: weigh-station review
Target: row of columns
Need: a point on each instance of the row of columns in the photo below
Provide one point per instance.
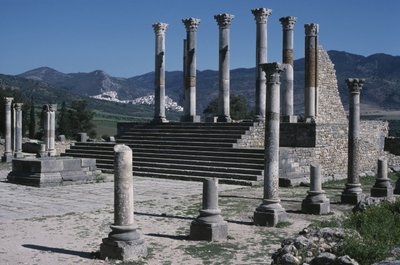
(13, 130)
(224, 21)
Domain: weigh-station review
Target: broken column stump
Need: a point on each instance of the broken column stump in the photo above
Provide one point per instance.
(209, 225)
(382, 187)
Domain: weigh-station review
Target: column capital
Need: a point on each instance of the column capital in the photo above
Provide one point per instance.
(18, 106)
(52, 107)
(355, 84)
(261, 14)
(160, 28)
(191, 23)
(8, 100)
(224, 20)
(272, 71)
(311, 29)
(288, 22)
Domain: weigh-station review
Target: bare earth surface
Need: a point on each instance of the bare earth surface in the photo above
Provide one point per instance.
(65, 225)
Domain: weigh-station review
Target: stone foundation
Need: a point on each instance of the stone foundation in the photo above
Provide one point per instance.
(53, 171)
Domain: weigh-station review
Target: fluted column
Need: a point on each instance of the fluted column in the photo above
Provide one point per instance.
(7, 156)
(352, 192)
(288, 76)
(18, 130)
(191, 25)
(261, 16)
(270, 212)
(224, 21)
(159, 82)
(311, 54)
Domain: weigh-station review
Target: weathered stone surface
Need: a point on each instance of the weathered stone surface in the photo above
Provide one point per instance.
(324, 258)
(367, 201)
(52, 171)
(345, 260)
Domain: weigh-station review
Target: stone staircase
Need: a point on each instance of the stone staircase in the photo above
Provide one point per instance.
(183, 151)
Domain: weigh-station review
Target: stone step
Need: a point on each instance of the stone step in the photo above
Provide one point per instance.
(294, 179)
(176, 138)
(185, 135)
(198, 144)
(189, 125)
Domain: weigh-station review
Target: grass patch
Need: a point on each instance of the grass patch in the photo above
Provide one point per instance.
(211, 252)
(378, 227)
(283, 224)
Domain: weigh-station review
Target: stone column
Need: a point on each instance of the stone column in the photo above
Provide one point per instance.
(224, 21)
(159, 82)
(261, 16)
(316, 201)
(287, 58)
(382, 187)
(191, 25)
(184, 77)
(123, 242)
(209, 225)
(51, 149)
(270, 212)
(18, 130)
(7, 156)
(310, 58)
(352, 193)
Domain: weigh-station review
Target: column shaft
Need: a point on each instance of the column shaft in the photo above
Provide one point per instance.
(261, 17)
(287, 58)
(311, 49)
(18, 130)
(7, 119)
(52, 129)
(159, 82)
(191, 25)
(224, 21)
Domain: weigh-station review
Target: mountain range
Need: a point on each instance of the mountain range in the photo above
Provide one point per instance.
(381, 90)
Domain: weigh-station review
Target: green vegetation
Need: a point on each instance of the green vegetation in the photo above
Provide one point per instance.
(238, 108)
(378, 227)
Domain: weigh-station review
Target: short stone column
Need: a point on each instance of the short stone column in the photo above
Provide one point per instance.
(382, 187)
(123, 242)
(310, 59)
(8, 153)
(270, 212)
(209, 225)
(224, 21)
(352, 192)
(288, 76)
(159, 82)
(51, 148)
(261, 16)
(316, 201)
(18, 130)
(191, 25)
(42, 151)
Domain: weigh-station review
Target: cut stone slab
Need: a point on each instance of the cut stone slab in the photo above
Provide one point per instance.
(53, 171)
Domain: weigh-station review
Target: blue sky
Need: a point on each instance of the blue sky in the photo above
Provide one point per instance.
(116, 35)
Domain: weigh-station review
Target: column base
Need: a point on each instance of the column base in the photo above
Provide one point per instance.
(208, 231)
(352, 194)
(224, 119)
(269, 214)
(382, 192)
(159, 120)
(18, 155)
(316, 203)
(52, 153)
(123, 243)
(289, 118)
(7, 157)
(310, 120)
(189, 118)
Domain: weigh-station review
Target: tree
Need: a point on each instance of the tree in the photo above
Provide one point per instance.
(64, 121)
(238, 107)
(81, 118)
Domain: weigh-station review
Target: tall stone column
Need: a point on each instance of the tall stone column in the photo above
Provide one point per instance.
(261, 16)
(288, 76)
(311, 54)
(224, 21)
(18, 130)
(7, 156)
(191, 25)
(184, 72)
(159, 80)
(352, 192)
(123, 242)
(46, 124)
(52, 129)
(270, 212)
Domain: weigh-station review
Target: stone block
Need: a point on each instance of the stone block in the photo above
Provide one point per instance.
(269, 218)
(123, 250)
(316, 208)
(208, 231)
(381, 192)
(351, 198)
